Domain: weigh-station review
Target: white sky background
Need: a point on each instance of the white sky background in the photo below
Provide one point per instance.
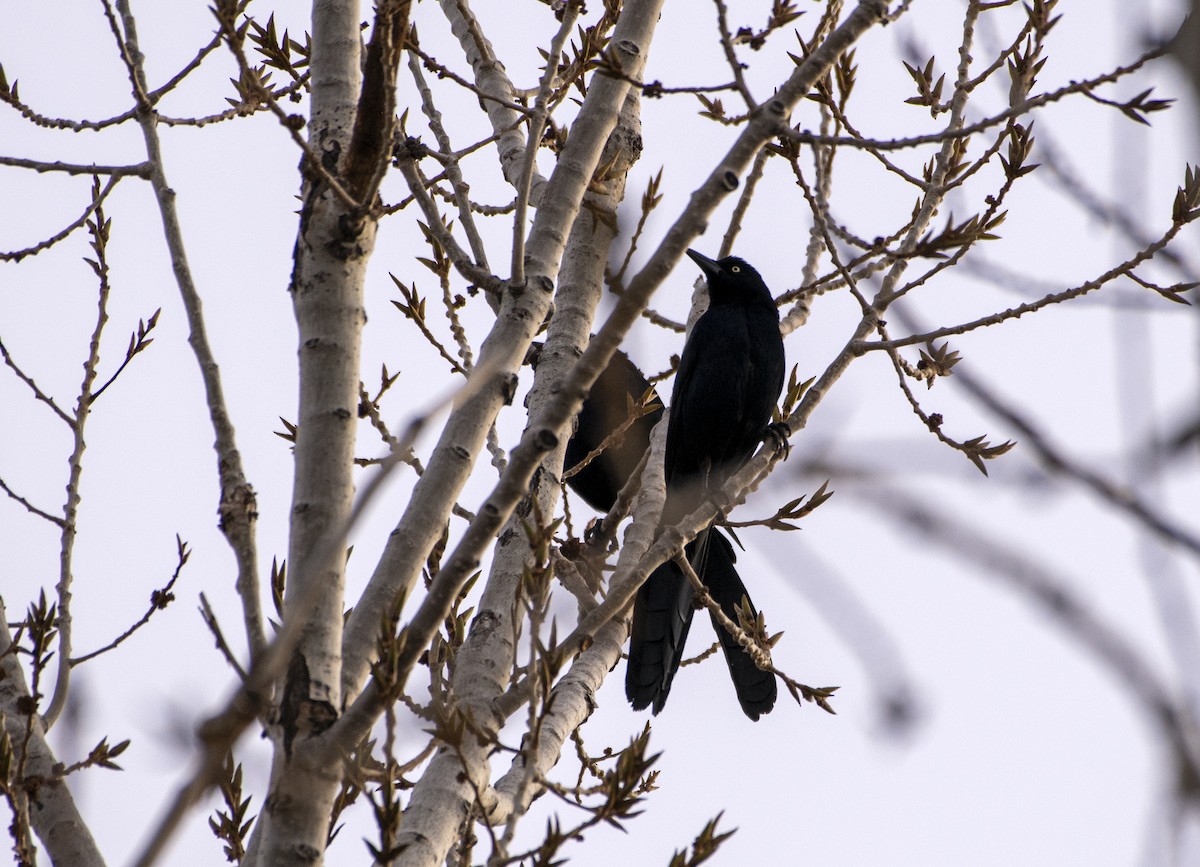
(1024, 749)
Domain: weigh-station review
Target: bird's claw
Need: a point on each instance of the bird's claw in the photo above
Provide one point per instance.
(777, 434)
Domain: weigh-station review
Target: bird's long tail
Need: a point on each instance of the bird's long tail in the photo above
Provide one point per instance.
(662, 615)
(756, 689)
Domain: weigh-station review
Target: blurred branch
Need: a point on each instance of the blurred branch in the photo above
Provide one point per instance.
(1051, 594)
(861, 632)
(1058, 462)
(1056, 164)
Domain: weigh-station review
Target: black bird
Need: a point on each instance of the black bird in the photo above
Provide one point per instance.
(619, 387)
(729, 379)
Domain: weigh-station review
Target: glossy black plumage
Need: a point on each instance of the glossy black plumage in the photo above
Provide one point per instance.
(619, 387)
(729, 379)
(724, 395)
(756, 689)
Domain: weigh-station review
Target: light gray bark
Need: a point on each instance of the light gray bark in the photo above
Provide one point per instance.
(39, 790)
(492, 80)
(442, 800)
(574, 696)
(522, 310)
(332, 251)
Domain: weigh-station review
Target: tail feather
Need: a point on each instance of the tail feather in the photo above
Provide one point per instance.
(756, 689)
(662, 615)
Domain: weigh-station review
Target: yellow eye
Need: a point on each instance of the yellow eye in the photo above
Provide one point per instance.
(735, 269)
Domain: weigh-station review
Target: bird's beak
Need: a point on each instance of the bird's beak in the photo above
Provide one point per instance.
(707, 265)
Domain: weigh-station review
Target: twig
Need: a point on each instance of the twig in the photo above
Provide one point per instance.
(238, 507)
(32, 509)
(140, 170)
(414, 312)
(463, 263)
(612, 440)
(243, 109)
(760, 654)
(743, 203)
(312, 161)
(138, 342)
(192, 65)
(443, 71)
(99, 229)
(62, 123)
(1019, 110)
(210, 620)
(159, 600)
(96, 201)
(735, 65)
(33, 386)
(1016, 312)
(758, 651)
(533, 141)
(453, 172)
(95, 125)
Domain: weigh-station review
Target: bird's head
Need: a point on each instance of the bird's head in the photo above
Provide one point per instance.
(731, 280)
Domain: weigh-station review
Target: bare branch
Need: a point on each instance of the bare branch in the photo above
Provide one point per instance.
(99, 231)
(238, 508)
(1057, 461)
(29, 507)
(141, 170)
(1053, 596)
(93, 204)
(159, 600)
(537, 123)
(33, 386)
